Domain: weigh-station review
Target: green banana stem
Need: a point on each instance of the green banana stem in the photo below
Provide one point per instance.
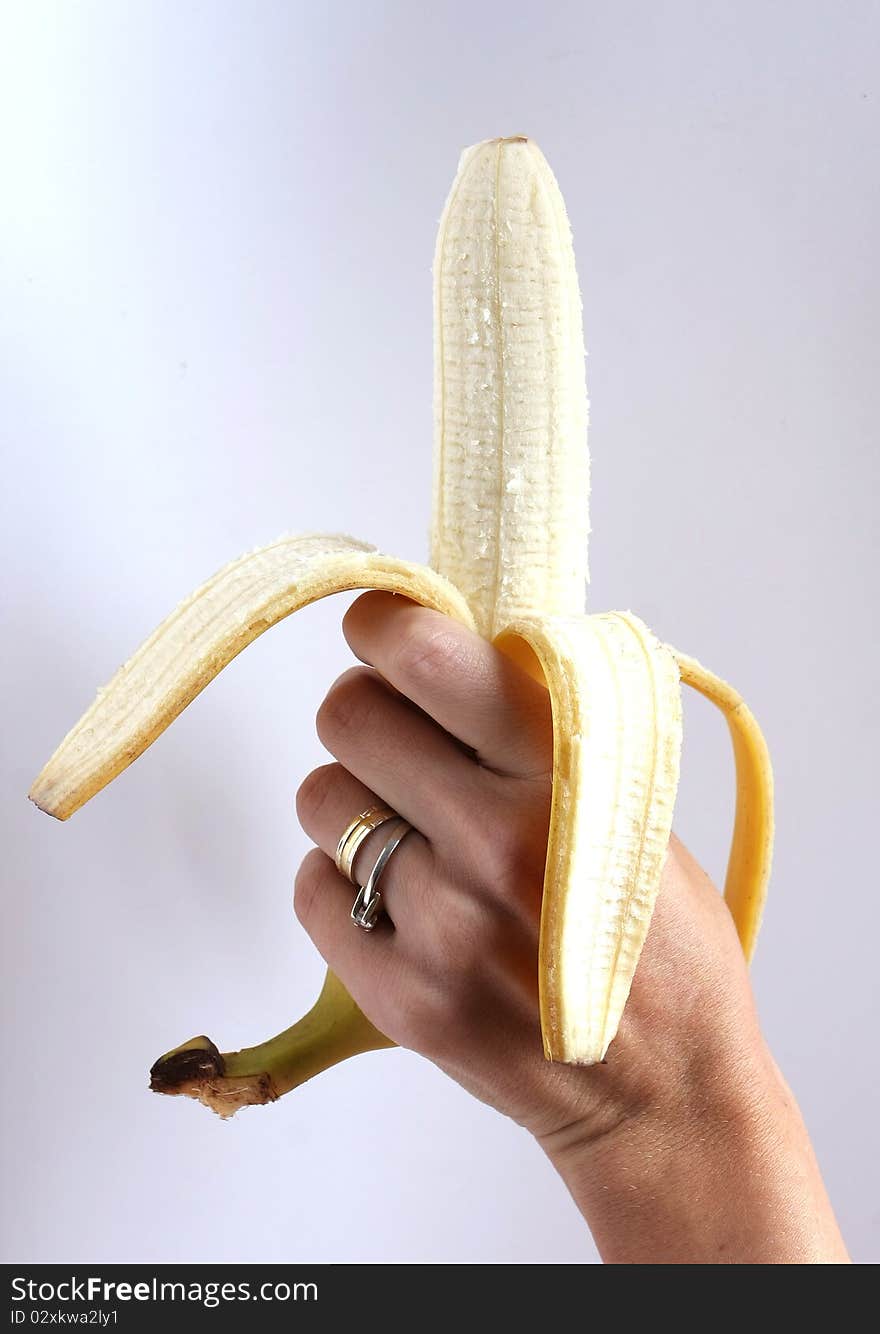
(333, 1030)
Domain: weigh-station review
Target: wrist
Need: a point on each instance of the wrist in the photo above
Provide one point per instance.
(717, 1169)
(634, 1145)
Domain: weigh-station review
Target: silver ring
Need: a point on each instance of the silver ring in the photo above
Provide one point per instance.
(367, 906)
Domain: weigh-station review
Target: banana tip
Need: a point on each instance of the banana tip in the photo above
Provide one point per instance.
(198, 1070)
(196, 1060)
(43, 802)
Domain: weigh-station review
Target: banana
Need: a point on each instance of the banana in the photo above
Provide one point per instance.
(509, 536)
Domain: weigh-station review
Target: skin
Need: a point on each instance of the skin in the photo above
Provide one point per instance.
(685, 1146)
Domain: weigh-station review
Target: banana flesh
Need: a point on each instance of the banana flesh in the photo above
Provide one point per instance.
(205, 633)
(511, 469)
(510, 524)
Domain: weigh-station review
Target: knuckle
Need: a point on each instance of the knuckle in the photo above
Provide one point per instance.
(499, 853)
(510, 848)
(307, 885)
(505, 879)
(464, 1011)
(440, 1013)
(314, 791)
(428, 652)
(346, 703)
(458, 941)
(422, 1017)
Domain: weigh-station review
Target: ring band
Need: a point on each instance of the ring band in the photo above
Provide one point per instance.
(366, 907)
(354, 834)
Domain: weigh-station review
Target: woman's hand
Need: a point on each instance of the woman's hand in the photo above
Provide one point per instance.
(443, 728)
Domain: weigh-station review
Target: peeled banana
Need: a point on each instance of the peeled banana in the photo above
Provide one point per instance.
(510, 524)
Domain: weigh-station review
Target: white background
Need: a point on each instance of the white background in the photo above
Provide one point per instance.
(215, 321)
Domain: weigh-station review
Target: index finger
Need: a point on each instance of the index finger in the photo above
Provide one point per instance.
(459, 679)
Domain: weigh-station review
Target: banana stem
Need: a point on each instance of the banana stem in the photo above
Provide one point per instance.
(332, 1031)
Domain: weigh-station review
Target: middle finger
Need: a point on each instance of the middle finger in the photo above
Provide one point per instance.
(406, 758)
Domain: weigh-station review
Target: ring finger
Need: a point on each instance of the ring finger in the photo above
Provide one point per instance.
(326, 803)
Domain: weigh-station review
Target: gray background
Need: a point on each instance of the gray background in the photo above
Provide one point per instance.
(217, 227)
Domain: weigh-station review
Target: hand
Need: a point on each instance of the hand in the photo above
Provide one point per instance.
(454, 736)
(450, 733)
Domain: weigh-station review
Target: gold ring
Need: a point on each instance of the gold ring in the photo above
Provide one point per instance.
(354, 834)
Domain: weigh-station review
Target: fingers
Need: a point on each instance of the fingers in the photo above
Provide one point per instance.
(322, 900)
(470, 688)
(397, 752)
(327, 801)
